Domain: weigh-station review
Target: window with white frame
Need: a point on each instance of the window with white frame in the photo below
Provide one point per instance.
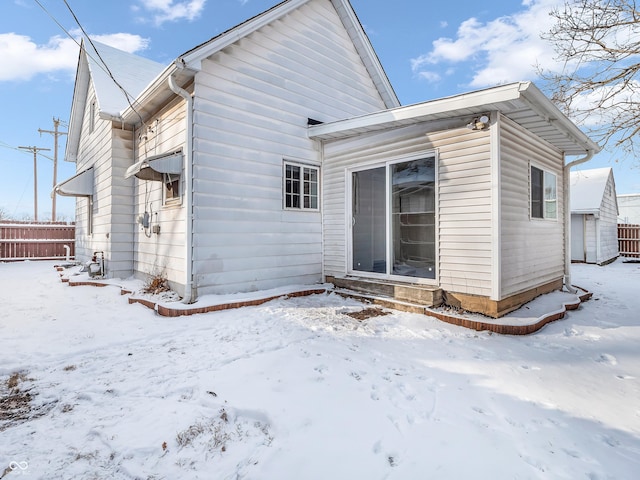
(544, 198)
(170, 189)
(300, 186)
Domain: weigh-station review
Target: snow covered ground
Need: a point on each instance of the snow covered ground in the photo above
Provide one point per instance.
(296, 389)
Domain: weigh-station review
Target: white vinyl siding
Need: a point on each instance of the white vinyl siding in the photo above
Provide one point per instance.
(107, 149)
(463, 199)
(601, 228)
(608, 224)
(160, 254)
(532, 250)
(251, 105)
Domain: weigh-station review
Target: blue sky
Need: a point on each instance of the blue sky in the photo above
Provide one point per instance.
(428, 49)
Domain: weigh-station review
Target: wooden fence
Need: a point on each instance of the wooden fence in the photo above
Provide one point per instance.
(629, 240)
(36, 241)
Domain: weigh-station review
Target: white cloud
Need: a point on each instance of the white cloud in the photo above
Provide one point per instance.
(23, 58)
(127, 42)
(28, 59)
(432, 77)
(503, 50)
(170, 10)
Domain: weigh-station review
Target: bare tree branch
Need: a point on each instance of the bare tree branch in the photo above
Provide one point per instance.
(598, 44)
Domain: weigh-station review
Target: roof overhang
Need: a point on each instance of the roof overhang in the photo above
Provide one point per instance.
(521, 102)
(80, 185)
(153, 168)
(586, 211)
(80, 89)
(185, 67)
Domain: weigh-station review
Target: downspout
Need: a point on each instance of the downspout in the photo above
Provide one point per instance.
(189, 297)
(567, 217)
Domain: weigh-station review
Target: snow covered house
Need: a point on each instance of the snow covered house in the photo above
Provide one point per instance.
(594, 216)
(277, 153)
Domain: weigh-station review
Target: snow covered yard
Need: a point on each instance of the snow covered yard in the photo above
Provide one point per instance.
(91, 387)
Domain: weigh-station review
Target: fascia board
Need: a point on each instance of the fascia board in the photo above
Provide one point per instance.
(193, 59)
(78, 102)
(159, 84)
(371, 59)
(539, 102)
(480, 99)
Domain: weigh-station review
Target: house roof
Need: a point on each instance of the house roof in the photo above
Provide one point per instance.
(588, 188)
(522, 102)
(146, 81)
(132, 72)
(186, 65)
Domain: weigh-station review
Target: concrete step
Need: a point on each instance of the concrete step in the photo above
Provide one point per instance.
(421, 295)
(385, 302)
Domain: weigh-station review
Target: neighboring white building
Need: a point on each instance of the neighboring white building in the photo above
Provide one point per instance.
(629, 208)
(277, 153)
(594, 216)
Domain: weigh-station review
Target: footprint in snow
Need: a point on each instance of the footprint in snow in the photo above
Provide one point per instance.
(527, 367)
(321, 369)
(609, 440)
(608, 359)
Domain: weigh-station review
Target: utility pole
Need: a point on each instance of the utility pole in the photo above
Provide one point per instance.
(35, 151)
(56, 134)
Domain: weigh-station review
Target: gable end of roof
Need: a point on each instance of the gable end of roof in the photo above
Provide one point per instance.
(193, 58)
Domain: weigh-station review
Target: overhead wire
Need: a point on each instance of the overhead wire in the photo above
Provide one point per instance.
(11, 147)
(101, 63)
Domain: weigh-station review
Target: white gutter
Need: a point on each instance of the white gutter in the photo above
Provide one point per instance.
(189, 297)
(567, 217)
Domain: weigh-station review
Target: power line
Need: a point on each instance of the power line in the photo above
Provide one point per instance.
(57, 22)
(126, 94)
(102, 64)
(11, 147)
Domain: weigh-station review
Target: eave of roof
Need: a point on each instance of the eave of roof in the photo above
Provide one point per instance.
(522, 102)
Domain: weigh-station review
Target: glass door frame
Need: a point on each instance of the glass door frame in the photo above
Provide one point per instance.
(349, 217)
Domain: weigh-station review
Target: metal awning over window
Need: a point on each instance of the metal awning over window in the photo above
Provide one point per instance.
(152, 168)
(80, 185)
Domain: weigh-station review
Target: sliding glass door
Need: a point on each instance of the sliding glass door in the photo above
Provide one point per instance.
(393, 219)
(369, 220)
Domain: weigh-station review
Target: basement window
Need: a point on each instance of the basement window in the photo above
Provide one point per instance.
(544, 201)
(301, 186)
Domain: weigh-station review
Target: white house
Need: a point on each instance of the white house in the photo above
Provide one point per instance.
(629, 208)
(594, 216)
(277, 153)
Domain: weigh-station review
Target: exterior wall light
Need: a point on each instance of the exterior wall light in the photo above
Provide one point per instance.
(479, 123)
